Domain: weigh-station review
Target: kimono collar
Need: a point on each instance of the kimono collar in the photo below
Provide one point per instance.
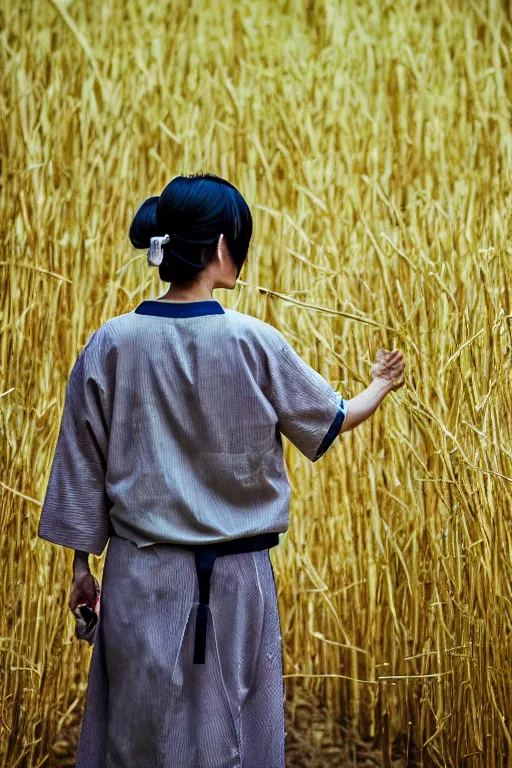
(180, 309)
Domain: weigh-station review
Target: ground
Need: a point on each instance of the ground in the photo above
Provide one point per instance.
(312, 742)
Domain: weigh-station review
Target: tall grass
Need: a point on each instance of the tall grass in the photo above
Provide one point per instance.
(373, 142)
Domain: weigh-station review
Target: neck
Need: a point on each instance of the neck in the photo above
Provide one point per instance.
(187, 292)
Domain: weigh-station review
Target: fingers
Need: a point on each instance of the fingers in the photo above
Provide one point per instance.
(395, 355)
(85, 589)
(396, 365)
(74, 597)
(389, 365)
(386, 356)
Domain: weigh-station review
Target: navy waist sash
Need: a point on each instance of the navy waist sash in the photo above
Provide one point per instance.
(205, 556)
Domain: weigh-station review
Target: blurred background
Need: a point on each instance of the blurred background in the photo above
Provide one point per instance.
(373, 142)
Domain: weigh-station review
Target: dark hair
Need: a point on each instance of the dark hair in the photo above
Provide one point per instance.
(194, 211)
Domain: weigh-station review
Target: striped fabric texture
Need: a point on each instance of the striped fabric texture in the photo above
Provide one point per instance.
(147, 704)
(171, 429)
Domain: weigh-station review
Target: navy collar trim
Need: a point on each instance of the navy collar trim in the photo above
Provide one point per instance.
(179, 309)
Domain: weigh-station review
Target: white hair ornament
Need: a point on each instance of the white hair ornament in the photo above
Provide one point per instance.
(155, 252)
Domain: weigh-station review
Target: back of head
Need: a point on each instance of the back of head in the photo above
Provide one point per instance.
(194, 211)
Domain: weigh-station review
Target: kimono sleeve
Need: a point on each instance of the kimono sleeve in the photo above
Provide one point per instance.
(75, 511)
(310, 412)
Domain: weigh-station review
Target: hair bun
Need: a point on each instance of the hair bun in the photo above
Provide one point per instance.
(144, 225)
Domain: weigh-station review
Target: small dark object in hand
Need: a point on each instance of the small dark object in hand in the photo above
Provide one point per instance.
(86, 621)
(85, 612)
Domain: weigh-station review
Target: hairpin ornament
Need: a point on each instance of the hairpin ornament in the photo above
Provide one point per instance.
(155, 252)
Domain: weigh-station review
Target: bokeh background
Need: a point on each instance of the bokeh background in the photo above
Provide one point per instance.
(373, 142)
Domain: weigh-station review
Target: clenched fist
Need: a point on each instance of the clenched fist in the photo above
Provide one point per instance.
(389, 367)
(84, 589)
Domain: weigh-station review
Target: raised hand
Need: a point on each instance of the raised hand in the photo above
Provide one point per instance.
(389, 367)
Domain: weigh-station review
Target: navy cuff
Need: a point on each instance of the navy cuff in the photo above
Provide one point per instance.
(332, 432)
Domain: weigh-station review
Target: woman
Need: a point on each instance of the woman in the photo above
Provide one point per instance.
(170, 450)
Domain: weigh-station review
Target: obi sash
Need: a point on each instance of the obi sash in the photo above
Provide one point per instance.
(205, 556)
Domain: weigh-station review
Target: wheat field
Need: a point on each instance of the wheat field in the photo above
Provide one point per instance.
(373, 142)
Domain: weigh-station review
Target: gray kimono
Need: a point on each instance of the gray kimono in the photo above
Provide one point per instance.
(171, 434)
